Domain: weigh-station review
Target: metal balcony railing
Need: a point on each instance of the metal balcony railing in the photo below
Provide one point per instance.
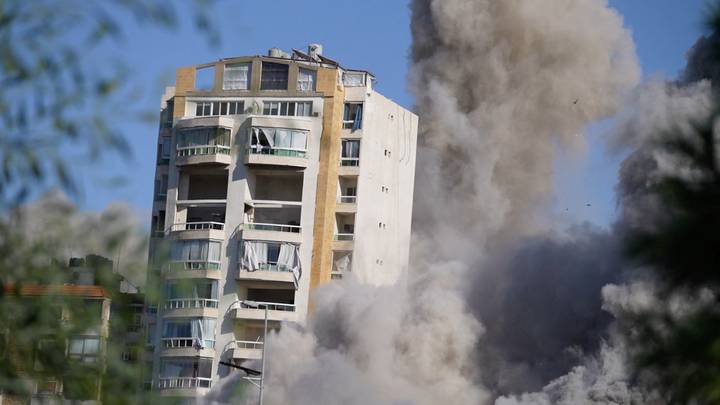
(187, 151)
(283, 152)
(349, 161)
(197, 226)
(272, 227)
(271, 306)
(345, 236)
(347, 199)
(249, 344)
(184, 382)
(190, 303)
(193, 265)
(269, 266)
(184, 342)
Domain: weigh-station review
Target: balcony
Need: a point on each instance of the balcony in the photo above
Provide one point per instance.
(198, 230)
(247, 350)
(349, 166)
(184, 383)
(343, 241)
(190, 303)
(341, 265)
(203, 142)
(269, 261)
(203, 154)
(277, 221)
(277, 147)
(276, 312)
(346, 204)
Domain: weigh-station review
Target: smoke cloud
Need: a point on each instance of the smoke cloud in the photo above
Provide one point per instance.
(499, 306)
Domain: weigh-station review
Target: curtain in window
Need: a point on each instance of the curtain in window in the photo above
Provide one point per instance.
(353, 79)
(254, 255)
(351, 149)
(283, 138)
(299, 140)
(306, 80)
(235, 77)
(289, 260)
(197, 333)
(343, 264)
(358, 118)
(213, 253)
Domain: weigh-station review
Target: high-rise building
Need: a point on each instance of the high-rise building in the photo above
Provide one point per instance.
(276, 174)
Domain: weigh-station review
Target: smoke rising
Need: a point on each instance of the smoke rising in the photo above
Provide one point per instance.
(499, 306)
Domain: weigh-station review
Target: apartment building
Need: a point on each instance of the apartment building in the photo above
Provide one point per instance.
(94, 336)
(276, 174)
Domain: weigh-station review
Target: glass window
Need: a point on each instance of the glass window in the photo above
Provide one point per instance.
(166, 146)
(85, 349)
(195, 250)
(304, 109)
(274, 76)
(306, 80)
(236, 76)
(354, 79)
(352, 116)
(350, 148)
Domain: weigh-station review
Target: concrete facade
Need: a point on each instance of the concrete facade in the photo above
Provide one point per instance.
(259, 201)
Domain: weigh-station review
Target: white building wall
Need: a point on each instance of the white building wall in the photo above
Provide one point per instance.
(385, 187)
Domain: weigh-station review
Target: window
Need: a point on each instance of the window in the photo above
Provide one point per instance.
(352, 116)
(195, 250)
(84, 349)
(236, 76)
(166, 146)
(264, 140)
(350, 152)
(203, 136)
(212, 108)
(354, 79)
(288, 108)
(196, 289)
(189, 332)
(274, 76)
(175, 370)
(351, 191)
(306, 80)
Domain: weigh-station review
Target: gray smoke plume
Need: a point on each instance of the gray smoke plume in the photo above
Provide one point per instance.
(115, 233)
(499, 302)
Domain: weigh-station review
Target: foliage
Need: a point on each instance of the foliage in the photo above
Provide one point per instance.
(54, 95)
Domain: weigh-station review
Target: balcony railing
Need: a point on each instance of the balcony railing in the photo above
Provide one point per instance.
(249, 344)
(349, 161)
(193, 265)
(197, 226)
(272, 227)
(184, 342)
(345, 236)
(336, 275)
(184, 382)
(186, 151)
(347, 199)
(271, 306)
(283, 152)
(190, 303)
(270, 266)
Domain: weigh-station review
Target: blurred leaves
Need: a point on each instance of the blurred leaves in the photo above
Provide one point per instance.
(56, 99)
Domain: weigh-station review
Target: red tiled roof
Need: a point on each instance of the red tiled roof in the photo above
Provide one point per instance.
(86, 291)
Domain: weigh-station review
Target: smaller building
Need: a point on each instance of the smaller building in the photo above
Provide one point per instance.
(89, 332)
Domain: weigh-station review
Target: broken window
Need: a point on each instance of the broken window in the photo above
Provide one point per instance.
(306, 80)
(352, 116)
(274, 76)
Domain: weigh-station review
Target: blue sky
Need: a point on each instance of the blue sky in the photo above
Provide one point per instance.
(369, 34)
